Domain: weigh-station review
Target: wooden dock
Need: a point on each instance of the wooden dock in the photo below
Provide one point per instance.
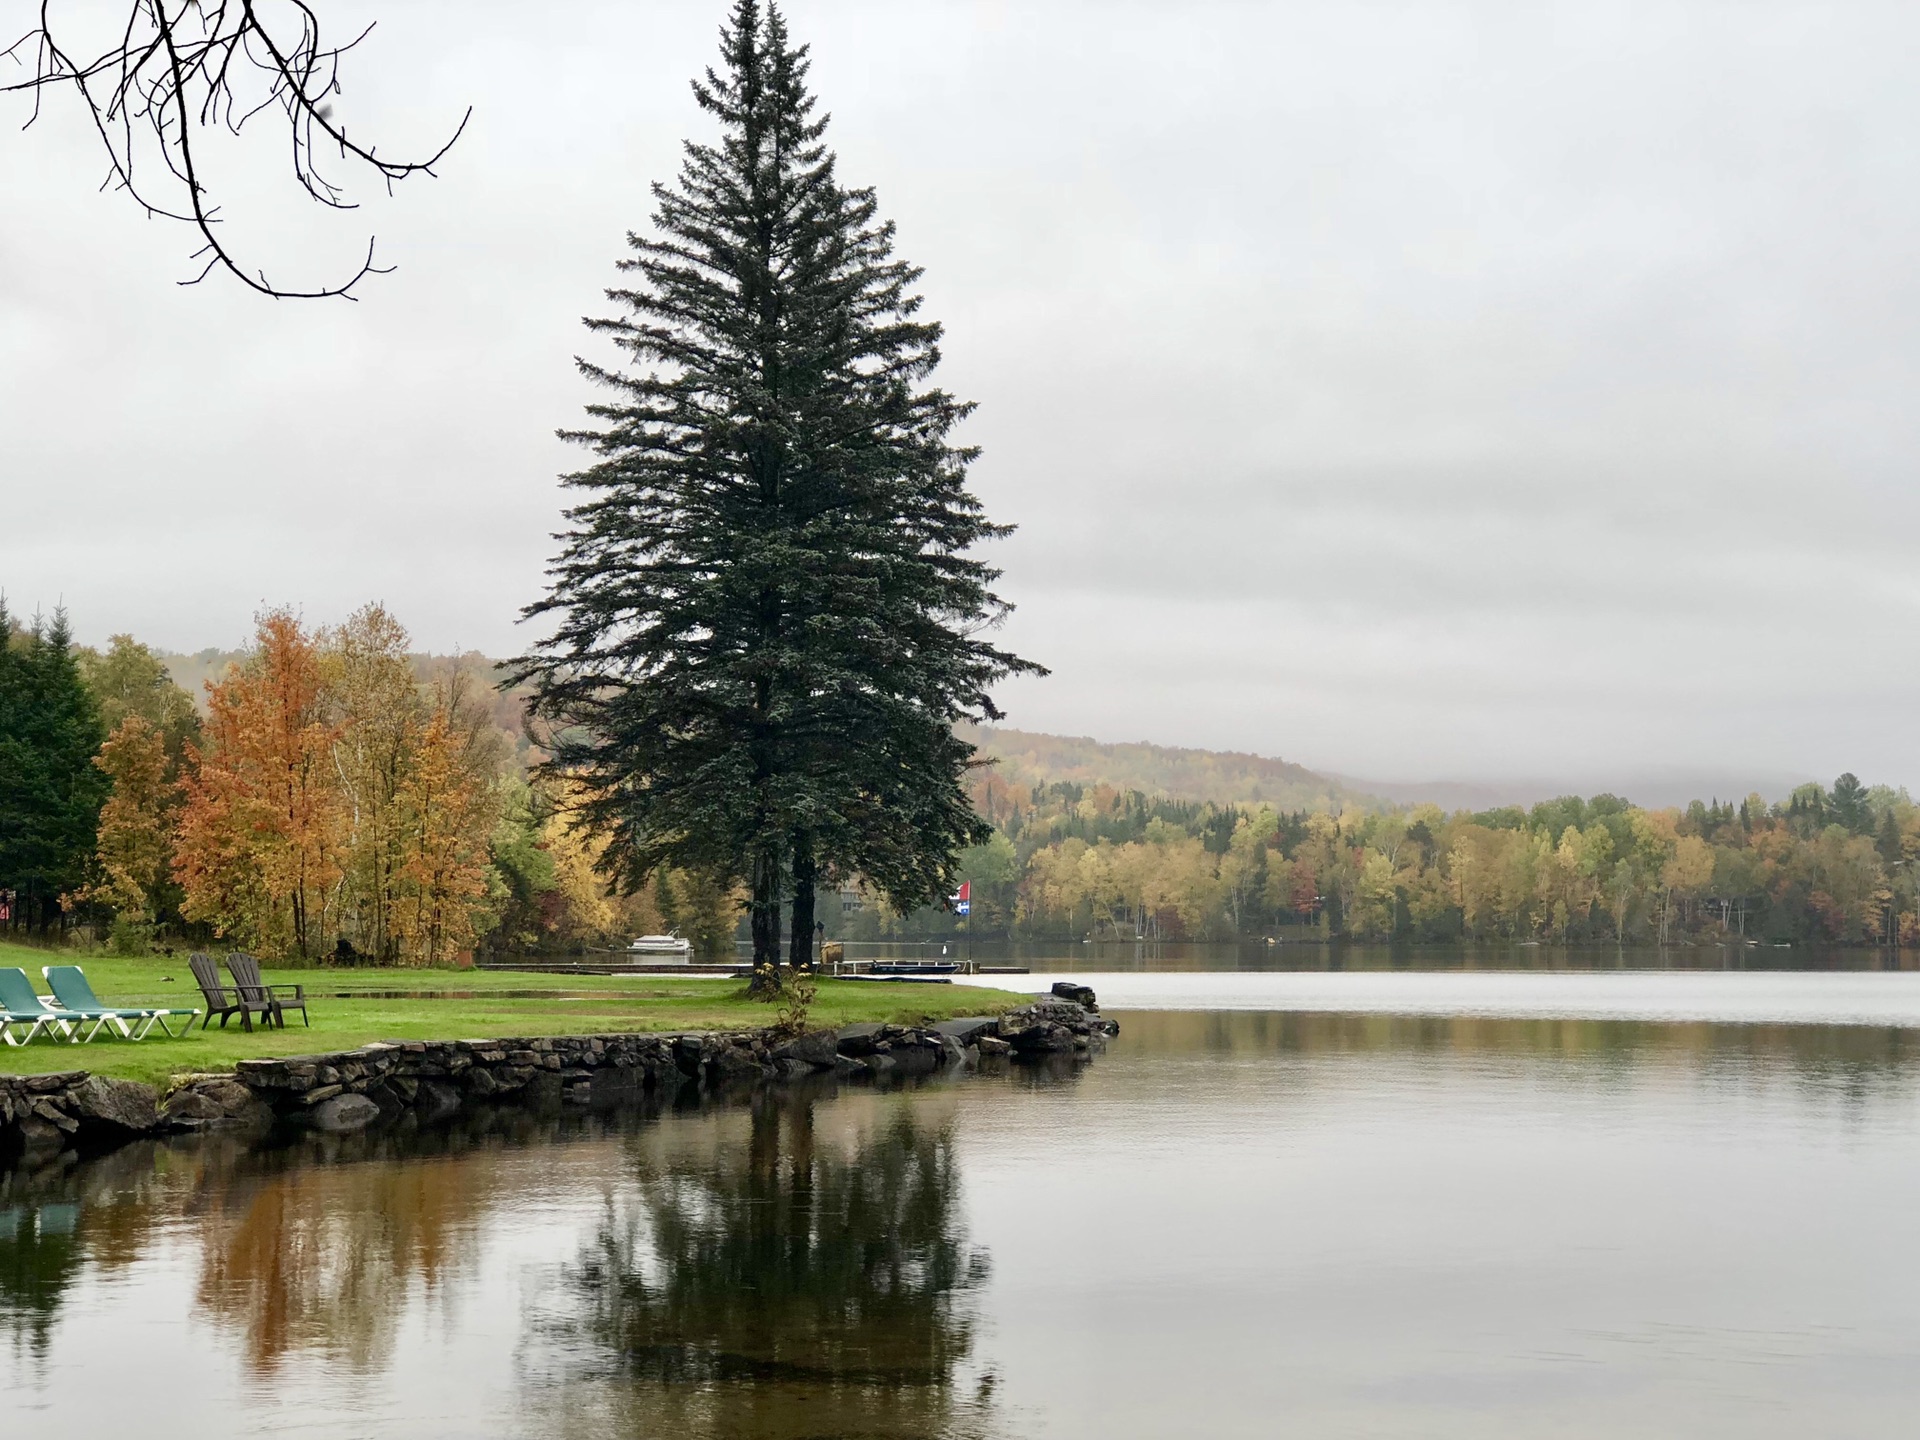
(614, 963)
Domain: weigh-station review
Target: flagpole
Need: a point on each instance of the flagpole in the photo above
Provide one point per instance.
(963, 907)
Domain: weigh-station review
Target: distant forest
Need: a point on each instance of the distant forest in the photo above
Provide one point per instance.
(423, 836)
(1071, 862)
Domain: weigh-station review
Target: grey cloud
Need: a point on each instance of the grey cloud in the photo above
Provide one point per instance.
(1441, 389)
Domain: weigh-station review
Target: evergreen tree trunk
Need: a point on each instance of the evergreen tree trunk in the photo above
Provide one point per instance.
(806, 876)
(666, 902)
(763, 910)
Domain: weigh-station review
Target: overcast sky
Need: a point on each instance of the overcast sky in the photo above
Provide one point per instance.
(1426, 392)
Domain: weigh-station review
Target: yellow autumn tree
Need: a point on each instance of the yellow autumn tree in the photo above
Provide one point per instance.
(135, 844)
(584, 910)
(449, 810)
(372, 693)
(420, 776)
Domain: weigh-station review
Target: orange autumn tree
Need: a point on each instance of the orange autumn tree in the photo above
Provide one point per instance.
(263, 830)
(337, 804)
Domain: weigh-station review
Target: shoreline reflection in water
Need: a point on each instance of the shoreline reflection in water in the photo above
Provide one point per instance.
(1434, 1225)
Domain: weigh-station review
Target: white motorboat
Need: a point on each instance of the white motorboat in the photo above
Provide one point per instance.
(662, 949)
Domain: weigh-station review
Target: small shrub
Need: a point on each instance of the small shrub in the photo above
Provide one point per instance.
(801, 990)
(130, 937)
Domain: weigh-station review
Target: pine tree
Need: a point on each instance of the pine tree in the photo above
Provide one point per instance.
(767, 618)
(50, 790)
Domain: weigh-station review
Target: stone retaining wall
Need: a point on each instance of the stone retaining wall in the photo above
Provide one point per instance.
(47, 1112)
(351, 1088)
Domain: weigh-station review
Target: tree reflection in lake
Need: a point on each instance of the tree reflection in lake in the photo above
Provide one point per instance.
(38, 1258)
(1839, 1062)
(780, 1275)
(61, 1221)
(814, 1264)
(326, 1258)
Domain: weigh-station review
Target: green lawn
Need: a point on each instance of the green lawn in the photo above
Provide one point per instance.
(486, 1006)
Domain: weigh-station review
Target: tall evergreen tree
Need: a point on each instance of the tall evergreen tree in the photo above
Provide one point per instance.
(766, 615)
(50, 790)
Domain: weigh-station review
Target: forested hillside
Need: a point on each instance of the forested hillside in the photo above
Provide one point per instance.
(1224, 777)
(1076, 862)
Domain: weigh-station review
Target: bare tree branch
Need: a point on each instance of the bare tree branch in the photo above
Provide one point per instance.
(181, 67)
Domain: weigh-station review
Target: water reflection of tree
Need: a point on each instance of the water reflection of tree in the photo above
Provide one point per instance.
(792, 1285)
(325, 1257)
(1810, 1051)
(1847, 1067)
(39, 1257)
(59, 1223)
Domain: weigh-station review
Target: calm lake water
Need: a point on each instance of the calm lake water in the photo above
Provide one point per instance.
(1371, 1211)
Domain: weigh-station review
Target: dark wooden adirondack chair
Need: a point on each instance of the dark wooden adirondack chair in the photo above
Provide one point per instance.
(277, 999)
(220, 1000)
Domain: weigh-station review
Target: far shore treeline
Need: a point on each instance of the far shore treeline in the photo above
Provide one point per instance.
(329, 795)
(1075, 861)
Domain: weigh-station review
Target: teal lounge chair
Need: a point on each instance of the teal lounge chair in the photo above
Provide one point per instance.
(20, 1004)
(76, 997)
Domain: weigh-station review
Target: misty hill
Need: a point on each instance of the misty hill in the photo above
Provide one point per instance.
(1652, 788)
(192, 672)
(1223, 776)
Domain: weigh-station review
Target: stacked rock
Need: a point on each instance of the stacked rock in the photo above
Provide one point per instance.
(348, 1089)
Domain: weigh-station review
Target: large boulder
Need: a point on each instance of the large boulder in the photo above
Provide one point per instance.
(736, 1063)
(233, 1098)
(344, 1113)
(190, 1107)
(1081, 995)
(1043, 1037)
(955, 1055)
(204, 1100)
(1051, 1024)
(1044, 1025)
(118, 1104)
(817, 1048)
(435, 1100)
(39, 1138)
(915, 1059)
(689, 1055)
(859, 1040)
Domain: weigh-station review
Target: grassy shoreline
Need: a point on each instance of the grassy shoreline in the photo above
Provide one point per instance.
(486, 1003)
